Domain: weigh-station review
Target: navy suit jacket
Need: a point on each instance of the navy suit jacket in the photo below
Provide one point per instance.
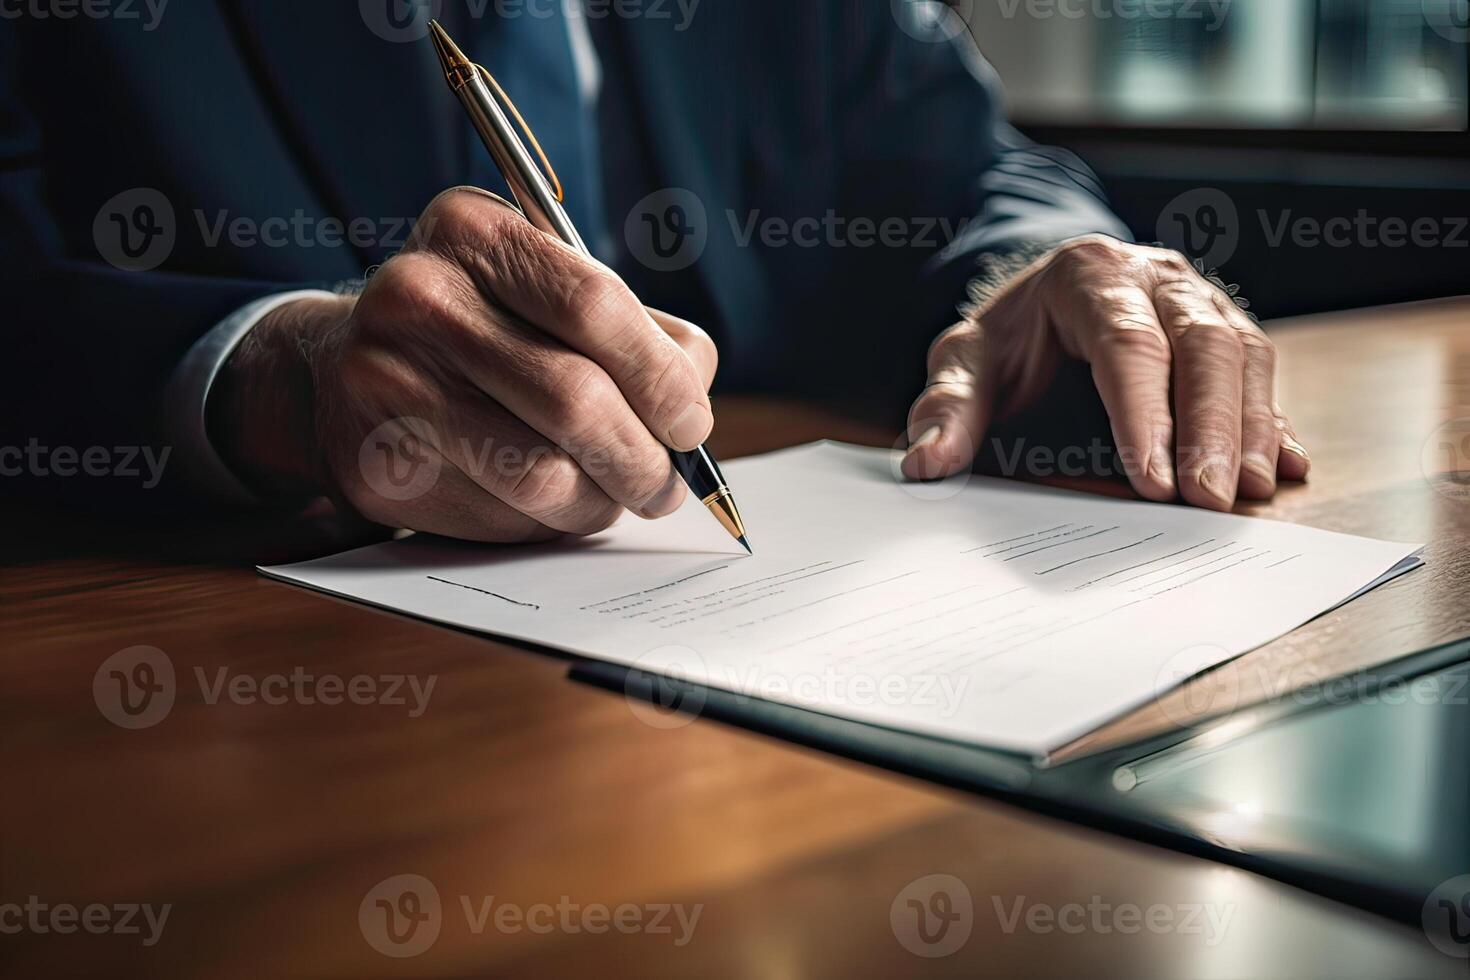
(763, 109)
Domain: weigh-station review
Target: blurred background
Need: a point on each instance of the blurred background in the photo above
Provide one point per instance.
(1314, 151)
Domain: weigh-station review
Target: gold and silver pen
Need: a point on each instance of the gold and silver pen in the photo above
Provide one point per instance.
(482, 98)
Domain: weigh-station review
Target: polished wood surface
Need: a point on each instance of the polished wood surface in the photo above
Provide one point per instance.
(265, 827)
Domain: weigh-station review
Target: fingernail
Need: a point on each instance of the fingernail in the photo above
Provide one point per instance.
(913, 465)
(1262, 467)
(929, 437)
(1161, 464)
(667, 501)
(691, 428)
(1219, 482)
(1292, 446)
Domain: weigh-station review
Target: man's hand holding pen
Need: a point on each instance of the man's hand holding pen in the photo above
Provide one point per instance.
(497, 336)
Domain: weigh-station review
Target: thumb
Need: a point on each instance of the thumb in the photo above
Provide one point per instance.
(951, 414)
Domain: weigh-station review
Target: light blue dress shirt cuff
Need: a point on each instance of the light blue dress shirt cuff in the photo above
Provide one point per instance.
(188, 394)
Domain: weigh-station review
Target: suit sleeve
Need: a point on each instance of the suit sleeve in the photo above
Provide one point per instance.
(928, 125)
(90, 347)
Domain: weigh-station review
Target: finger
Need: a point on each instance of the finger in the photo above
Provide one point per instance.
(585, 306)
(694, 341)
(1294, 463)
(515, 464)
(573, 403)
(1260, 441)
(1209, 372)
(952, 413)
(1131, 363)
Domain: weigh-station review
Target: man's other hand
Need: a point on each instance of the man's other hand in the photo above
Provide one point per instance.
(1188, 379)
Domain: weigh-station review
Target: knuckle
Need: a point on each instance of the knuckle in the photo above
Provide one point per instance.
(1202, 335)
(1259, 419)
(952, 346)
(647, 478)
(1090, 248)
(548, 482)
(599, 304)
(399, 291)
(1128, 340)
(453, 213)
(579, 402)
(1258, 347)
(372, 376)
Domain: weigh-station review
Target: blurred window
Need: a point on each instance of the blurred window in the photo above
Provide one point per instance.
(1257, 64)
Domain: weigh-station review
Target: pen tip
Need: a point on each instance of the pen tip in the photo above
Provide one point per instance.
(456, 66)
(745, 544)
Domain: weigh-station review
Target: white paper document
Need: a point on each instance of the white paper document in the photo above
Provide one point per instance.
(984, 611)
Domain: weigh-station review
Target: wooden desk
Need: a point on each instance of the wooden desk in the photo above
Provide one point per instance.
(266, 826)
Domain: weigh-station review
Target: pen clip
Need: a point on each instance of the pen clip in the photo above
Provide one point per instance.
(550, 173)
